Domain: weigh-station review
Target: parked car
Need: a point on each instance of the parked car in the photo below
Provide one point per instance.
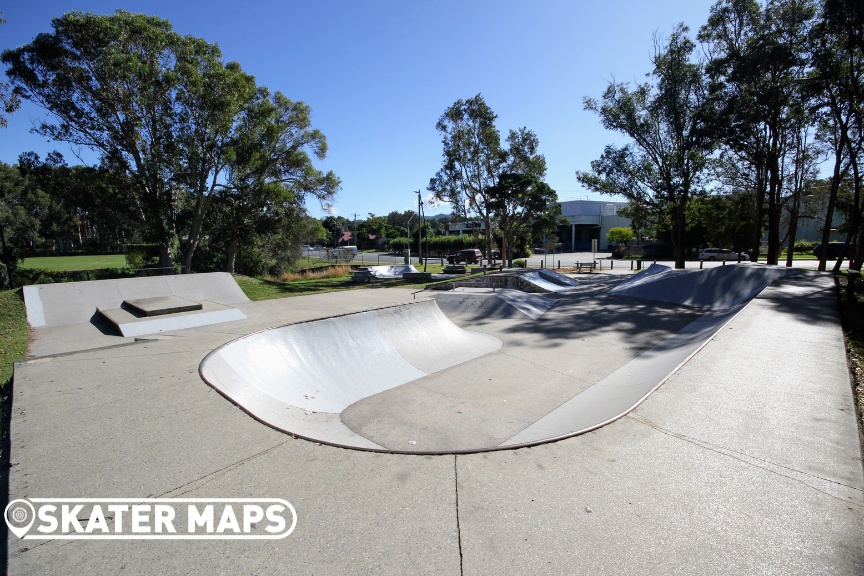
(721, 254)
(470, 256)
(833, 251)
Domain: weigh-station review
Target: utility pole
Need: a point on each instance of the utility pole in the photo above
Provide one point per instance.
(420, 228)
(355, 230)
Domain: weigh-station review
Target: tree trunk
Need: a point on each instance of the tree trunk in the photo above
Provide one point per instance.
(232, 256)
(856, 210)
(773, 210)
(7, 259)
(760, 207)
(832, 201)
(793, 227)
(678, 236)
(166, 263)
(195, 233)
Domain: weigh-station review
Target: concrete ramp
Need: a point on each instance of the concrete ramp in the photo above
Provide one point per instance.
(715, 288)
(558, 278)
(299, 378)
(50, 305)
(498, 304)
(542, 281)
(391, 271)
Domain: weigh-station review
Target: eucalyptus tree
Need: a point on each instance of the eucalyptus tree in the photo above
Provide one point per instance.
(270, 171)
(837, 82)
(524, 207)
(757, 59)
(164, 109)
(9, 101)
(664, 165)
(474, 160)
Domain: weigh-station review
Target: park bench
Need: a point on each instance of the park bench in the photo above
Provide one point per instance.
(362, 275)
(589, 266)
(454, 269)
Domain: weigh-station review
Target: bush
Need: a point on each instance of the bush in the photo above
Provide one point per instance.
(519, 264)
(28, 276)
(140, 255)
(805, 246)
(437, 245)
(339, 271)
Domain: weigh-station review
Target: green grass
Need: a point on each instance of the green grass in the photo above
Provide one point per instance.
(798, 256)
(13, 346)
(268, 289)
(263, 289)
(75, 263)
(13, 332)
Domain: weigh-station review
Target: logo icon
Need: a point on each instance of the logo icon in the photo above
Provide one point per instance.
(20, 515)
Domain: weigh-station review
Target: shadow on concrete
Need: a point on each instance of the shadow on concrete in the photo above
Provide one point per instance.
(104, 326)
(5, 465)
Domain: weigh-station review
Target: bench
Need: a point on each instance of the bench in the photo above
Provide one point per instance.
(590, 266)
(362, 275)
(454, 269)
(424, 276)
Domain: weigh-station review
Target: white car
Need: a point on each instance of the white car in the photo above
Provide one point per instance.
(721, 254)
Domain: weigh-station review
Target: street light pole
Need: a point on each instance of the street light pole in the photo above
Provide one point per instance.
(419, 229)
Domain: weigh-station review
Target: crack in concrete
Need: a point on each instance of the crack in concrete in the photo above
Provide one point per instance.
(458, 525)
(747, 459)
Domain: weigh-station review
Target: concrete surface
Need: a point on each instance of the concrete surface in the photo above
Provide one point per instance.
(130, 325)
(391, 271)
(714, 288)
(746, 461)
(159, 305)
(66, 317)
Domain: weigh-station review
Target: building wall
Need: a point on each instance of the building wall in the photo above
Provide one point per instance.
(589, 220)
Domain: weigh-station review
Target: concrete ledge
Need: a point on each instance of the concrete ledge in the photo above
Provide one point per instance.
(161, 305)
(417, 276)
(130, 325)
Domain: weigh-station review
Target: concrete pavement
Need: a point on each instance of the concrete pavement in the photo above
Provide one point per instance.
(747, 460)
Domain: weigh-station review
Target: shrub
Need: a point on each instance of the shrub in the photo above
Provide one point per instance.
(139, 255)
(318, 273)
(805, 246)
(519, 264)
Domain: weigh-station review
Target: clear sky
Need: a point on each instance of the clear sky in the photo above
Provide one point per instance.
(379, 73)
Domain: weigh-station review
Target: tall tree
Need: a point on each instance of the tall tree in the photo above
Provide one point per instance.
(9, 101)
(837, 81)
(524, 206)
(474, 160)
(757, 58)
(270, 145)
(164, 109)
(664, 166)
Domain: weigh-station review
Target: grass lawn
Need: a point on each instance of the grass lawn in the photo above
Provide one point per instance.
(75, 263)
(13, 346)
(262, 289)
(13, 332)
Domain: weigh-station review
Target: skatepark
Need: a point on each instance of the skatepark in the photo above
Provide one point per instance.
(673, 421)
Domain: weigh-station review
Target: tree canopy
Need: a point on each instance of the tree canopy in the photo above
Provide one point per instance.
(474, 160)
(165, 110)
(664, 165)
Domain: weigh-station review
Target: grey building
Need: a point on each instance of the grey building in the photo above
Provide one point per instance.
(589, 220)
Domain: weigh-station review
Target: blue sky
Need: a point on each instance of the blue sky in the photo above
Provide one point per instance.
(379, 73)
